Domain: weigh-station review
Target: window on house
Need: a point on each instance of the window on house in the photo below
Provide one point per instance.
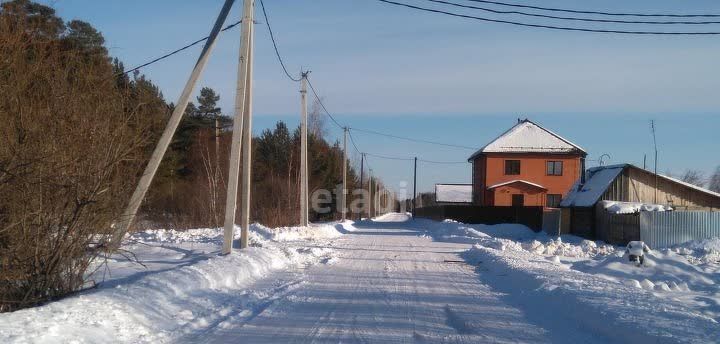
(553, 201)
(554, 168)
(512, 167)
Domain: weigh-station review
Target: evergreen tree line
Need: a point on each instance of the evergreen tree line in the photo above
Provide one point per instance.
(190, 188)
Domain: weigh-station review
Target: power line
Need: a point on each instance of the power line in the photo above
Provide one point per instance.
(575, 18)
(546, 26)
(323, 106)
(352, 140)
(412, 139)
(389, 157)
(178, 50)
(272, 37)
(442, 162)
(600, 13)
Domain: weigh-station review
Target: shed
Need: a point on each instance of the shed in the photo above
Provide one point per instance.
(587, 202)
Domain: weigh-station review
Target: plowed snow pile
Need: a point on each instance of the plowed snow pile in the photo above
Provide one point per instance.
(183, 286)
(674, 297)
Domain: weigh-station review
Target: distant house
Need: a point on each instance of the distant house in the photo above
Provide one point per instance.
(527, 165)
(607, 191)
(453, 193)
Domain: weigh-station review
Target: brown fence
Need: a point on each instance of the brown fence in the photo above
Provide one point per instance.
(529, 216)
(617, 229)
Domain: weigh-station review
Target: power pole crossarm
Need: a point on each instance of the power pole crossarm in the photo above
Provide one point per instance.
(137, 197)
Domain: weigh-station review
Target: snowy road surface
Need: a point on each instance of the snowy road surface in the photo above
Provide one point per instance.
(391, 280)
(389, 283)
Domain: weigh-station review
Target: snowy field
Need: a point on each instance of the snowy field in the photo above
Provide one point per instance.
(387, 280)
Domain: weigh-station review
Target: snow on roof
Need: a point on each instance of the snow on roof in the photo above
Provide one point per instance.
(597, 182)
(632, 207)
(453, 193)
(692, 186)
(599, 179)
(516, 181)
(529, 137)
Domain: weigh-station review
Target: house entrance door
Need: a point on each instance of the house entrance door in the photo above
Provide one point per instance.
(518, 200)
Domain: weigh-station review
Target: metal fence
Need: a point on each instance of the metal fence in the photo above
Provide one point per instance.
(551, 221)
(664, 229)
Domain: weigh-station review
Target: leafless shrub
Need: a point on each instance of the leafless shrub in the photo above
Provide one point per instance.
(71, 145)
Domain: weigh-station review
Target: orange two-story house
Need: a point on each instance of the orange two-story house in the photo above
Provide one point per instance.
(527, 165)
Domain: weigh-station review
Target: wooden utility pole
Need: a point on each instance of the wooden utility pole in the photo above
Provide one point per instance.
(414, 188)
(343, 207)
(137, 197)
(362, 172)
(242, 98)
(303, 151)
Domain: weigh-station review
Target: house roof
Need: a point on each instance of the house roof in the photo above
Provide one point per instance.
(600, 178)
(516, 181)
(453, 193)
(529, 137)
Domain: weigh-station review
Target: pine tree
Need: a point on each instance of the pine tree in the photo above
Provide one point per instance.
(208, 104)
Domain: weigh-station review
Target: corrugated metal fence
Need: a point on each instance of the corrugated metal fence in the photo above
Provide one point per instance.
(664, 229)
(551, 222)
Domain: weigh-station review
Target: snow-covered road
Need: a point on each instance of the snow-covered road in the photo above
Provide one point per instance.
(388, 283)
(390, 280)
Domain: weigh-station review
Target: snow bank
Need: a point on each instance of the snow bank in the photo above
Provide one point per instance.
(569, 279)
(522, 237)
(185, 287)
(552, 293)
(700, 252)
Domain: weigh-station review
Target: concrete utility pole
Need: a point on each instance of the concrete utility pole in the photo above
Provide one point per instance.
(137, 197)
(362, 172)
(414, 188)
(217, 143)
(370, 195)
(652, 126)
(247, 142)
(241, 98)
(343, 207)
(303, 151)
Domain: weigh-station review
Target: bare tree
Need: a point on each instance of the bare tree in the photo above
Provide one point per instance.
(714, 182)
(694, 177)
(316, 120)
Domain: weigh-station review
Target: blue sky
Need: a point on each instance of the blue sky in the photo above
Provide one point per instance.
(447, 79)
